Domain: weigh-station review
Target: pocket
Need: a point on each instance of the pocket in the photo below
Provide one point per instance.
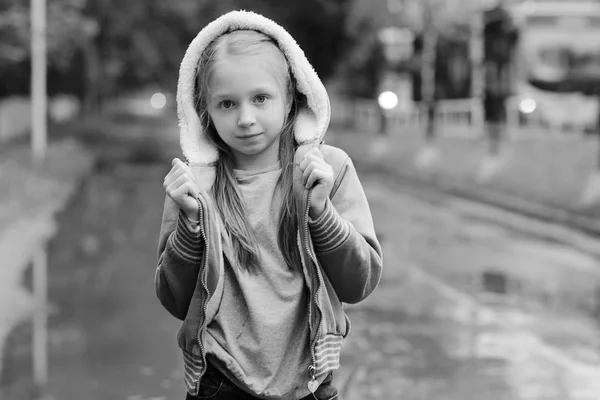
(210, 385)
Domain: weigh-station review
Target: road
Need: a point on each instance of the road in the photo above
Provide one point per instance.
(467, 308)
(471, 309)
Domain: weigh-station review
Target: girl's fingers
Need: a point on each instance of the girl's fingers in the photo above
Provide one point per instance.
(180, 181)
(169, 175)
(193, 189)
(313, 162)
(177, 161)
(313, 173)
(307, 171)
(315, 176)
(178, 165)
(184, 190)
(311, 165)
(173, 188)
(176, 172)
(305, 161)
(312, 155)
(175, 168)
(172, 176)
(185, 168)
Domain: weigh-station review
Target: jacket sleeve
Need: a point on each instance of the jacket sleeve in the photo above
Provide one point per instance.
(180, 251)
(345, 242)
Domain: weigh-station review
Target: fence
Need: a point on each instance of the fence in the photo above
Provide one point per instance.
(457, 117)
(529, 161)
(454, 117)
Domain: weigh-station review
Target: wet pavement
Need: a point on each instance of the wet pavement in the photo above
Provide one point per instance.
(467, 308)
(109, 337)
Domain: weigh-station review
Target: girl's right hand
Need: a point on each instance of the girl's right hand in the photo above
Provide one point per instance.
(180, 186)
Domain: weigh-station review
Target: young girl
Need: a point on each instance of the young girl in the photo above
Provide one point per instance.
(265, 230)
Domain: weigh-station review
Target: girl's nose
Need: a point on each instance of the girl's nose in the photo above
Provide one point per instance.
(246, 117)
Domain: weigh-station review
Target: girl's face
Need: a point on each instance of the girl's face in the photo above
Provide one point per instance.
(248, 107)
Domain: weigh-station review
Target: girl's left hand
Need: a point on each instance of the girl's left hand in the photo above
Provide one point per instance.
(315, 171)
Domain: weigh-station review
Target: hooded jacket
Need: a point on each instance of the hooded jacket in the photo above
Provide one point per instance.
(341, 263)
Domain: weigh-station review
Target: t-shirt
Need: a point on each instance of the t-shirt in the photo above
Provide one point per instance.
(260, 335)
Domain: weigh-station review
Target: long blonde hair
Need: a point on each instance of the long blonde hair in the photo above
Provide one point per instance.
(227, 198)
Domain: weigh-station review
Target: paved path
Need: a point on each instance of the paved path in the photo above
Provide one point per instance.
(29, 199)
(413, 339)
(112, 338)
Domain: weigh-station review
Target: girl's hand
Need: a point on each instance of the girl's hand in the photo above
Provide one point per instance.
(315, 171)
(180, 185)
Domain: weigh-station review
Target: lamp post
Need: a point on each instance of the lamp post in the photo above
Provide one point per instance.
(38, 82)
(38, 152)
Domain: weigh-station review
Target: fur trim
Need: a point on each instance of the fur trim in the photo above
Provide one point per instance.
(311, 123)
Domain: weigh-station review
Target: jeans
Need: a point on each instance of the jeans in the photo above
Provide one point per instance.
(216, 386)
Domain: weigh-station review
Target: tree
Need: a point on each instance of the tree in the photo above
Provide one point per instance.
(363, 64)
(319, 27)
(66, 31)
(97, 48)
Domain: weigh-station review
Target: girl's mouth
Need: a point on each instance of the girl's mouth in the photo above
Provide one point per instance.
(249, 136)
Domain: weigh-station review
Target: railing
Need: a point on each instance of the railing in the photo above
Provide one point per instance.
(534, 124)
(531, 146)
(454, 117)
(366, 114)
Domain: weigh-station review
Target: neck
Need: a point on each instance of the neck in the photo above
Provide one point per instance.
(255, 162)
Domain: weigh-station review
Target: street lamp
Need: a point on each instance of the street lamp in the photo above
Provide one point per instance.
(38, 146)
(39, 96)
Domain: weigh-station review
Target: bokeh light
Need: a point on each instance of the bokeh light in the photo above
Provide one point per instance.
(527, 106)
(388, 100)
(158, 101)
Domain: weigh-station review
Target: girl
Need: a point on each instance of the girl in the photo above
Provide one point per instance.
(265, 230)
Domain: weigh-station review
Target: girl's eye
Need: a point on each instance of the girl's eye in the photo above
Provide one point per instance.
(261, 98)
(226, 104)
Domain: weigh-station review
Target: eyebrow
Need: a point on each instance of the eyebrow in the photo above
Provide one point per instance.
(255, 91)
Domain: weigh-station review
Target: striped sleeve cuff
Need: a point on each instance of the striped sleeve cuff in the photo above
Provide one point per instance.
(187, 240)
(328, 231)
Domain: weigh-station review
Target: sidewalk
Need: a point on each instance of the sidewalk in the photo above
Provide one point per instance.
(541, 178)
(98, 359)
(31, 198)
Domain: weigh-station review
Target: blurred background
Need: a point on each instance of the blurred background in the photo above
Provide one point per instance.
(475, 128)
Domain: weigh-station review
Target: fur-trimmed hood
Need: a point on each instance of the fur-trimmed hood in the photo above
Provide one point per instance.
(312, 121)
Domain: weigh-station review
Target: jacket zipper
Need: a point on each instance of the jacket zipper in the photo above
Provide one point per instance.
(204, 305)
(312, 368)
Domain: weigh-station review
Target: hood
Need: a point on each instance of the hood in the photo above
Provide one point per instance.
(311, 122)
